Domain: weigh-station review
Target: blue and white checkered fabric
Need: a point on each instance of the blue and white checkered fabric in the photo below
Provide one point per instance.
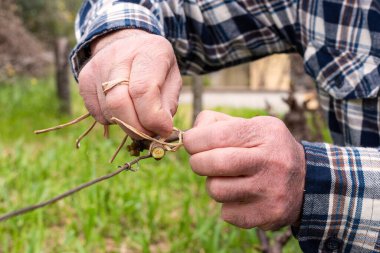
(340, 43)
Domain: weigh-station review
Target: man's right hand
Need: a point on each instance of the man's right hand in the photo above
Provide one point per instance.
(150, 100)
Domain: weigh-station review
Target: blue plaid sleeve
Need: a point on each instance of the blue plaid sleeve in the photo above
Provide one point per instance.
(341, 211)
(342, 189)
(206, 35)
(98, 17)
(339, 40)
(341, 46)
(341, 49)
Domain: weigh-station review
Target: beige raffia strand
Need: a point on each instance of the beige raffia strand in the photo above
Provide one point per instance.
(168, 146)
(77, 142)
(73, 122)
(172, 147)
(107, 86)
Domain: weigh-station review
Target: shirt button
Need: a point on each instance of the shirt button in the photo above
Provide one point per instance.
(333, 243)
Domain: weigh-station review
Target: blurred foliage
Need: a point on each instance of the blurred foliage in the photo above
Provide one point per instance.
(163, 207)
(49, 19)
(20, 51)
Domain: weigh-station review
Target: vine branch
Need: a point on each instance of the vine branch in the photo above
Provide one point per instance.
(156, 148)
(127, 166)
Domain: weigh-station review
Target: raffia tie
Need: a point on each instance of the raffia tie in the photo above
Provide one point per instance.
(107, 86)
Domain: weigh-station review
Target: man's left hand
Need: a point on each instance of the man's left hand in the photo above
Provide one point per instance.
(254, 167)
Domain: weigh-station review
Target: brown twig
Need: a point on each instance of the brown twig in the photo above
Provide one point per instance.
(106, 132)
(63, 125)
(283, 238)
(127, 166)
(264, 240)
(278, 243)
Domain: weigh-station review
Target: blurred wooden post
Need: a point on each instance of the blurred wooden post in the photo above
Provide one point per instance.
(62, 50)
(197, 88)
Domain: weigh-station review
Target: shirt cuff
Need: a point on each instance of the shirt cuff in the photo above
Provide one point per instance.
(316, 198)
(341, 189)
(116, 17)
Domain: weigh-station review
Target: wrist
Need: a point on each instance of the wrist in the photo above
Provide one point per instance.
(107, 39)
(301, 189)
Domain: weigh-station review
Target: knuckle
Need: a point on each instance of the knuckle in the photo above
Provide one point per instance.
(243, 129)
(173, 106)
(276, 124)
(138, 89)
(164, 58)
(163, 44)
(162, 51)
(273, 129)
(267, 121)
(203, 115)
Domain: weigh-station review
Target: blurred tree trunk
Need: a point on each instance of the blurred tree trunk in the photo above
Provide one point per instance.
(62, 50)
(197, 88)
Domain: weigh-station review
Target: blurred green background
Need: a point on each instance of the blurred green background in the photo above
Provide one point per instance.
(163, 207)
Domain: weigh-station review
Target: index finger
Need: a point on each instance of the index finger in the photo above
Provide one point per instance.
(146, 80)
(226, 162)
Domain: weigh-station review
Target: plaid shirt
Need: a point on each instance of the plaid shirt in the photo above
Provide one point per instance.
(340, 44)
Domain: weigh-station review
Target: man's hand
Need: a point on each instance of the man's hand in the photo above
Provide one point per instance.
(148, 62)
(253, 166)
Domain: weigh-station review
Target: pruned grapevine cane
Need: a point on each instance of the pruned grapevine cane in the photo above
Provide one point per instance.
(157, 147)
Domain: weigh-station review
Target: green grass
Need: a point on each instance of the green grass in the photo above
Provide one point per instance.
(161, 208)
